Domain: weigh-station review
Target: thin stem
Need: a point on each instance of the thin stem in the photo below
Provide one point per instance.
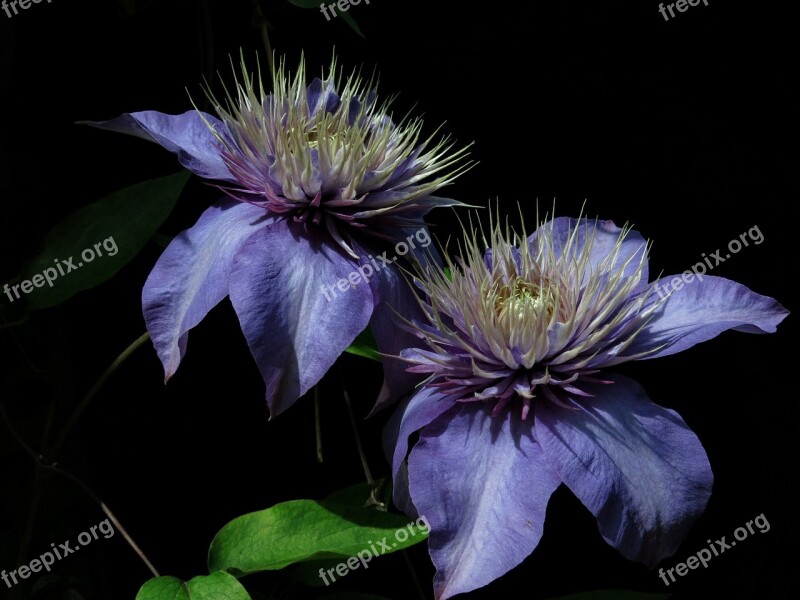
(353, 424)
(17, 323)
(41, 465)
(30, 524)
(104, 507)
(318, 424)
(86, 400)
(375, 487)
(414, 577)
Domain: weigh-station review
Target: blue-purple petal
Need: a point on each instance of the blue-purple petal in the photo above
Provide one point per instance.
(191, 276)
(605, 235)
(396, 300)
(187, 135)
(411, 415)
(701, 310)
(635, 465)
(483, 485)
(295, 330)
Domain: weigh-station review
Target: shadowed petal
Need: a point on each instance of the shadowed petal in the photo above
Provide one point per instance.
(191, 276)
(635, 465)
(483, 486)
(186, 135)
(394, 295)
(701, 310)
(278, 289)
(411, 416)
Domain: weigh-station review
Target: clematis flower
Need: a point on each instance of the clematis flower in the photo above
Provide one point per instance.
(515, 343)
(316, 181)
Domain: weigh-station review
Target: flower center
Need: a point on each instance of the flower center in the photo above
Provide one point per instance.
(520, 299)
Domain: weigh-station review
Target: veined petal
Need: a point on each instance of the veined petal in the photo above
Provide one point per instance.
(187, 135)
(278, 290)
(635, 465)
(701, 310)
(191, 276)
(483, 485)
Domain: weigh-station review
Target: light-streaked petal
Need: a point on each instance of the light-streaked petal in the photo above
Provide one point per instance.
(483, 485)
(294, 330)
(191, 276)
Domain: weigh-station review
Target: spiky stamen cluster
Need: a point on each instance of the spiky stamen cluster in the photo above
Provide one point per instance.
(328, 159)
(532, 318)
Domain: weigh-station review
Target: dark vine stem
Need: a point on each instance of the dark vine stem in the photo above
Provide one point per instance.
(41, 465)
(318, 425)
(87, 399)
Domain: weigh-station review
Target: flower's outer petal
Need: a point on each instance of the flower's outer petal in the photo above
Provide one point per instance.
(187, 135)
(483, 485)
(635, 465)
(278, 289)
(411, 415)
(604, 236)
(701, 310)
(191, 276)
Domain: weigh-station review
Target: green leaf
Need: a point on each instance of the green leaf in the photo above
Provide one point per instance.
(614, 595)
(217, 586)
(306, 3)
(365, 345)
(352, 22)
(163, 588)
(363, 494)
(98, 240)
(303, 530)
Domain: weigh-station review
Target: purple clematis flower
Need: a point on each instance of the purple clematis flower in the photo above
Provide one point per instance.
(317, 181)
(513, 341)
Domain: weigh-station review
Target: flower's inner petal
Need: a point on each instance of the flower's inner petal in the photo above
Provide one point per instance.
(570, 237)
(532, 318)
(332, 160)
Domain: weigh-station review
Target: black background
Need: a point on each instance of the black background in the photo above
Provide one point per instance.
(688, 129)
